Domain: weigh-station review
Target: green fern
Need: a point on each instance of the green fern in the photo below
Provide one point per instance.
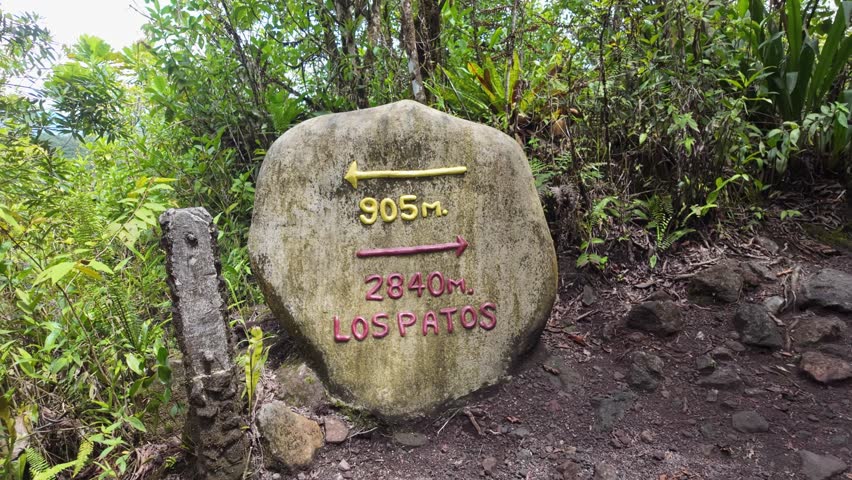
(661, 211)
(36, 462)
(41, 470)
(82, 456)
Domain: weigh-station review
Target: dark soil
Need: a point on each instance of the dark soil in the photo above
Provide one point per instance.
(542, 422)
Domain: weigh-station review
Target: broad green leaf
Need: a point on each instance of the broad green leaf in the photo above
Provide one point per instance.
(794, 32)
(87, 271)
(136, 423)
(55, 273)
(134, 363)
(96, 265)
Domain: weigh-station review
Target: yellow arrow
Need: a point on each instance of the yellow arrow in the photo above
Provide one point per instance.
(353, 175)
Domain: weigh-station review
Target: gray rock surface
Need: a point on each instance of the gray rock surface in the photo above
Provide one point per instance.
(610, 409)
(749, 421)
(335, 430)
(299, 386)
(811, 331)
(646, 371)
(825, 368)
(774, 304)
(289, 439)
(410, 439)
(214, 424)
(705, 364)
(820, 467)
(724, 378)
(605, 471)
(312, 214)
(756, 327)
(658, 317)
(718, 284)
(829, 288)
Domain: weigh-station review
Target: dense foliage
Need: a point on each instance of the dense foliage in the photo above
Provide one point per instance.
(657, 115)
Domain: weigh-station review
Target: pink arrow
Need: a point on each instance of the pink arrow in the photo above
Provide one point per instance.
(459, 245)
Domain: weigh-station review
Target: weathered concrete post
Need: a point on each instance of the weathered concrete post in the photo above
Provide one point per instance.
(214, 424)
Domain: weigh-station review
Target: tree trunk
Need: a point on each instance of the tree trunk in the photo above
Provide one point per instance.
(409, 40)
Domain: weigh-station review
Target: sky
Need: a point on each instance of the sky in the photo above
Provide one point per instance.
(112, 20)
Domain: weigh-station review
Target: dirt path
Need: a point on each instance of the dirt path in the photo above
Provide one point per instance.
(576, 409)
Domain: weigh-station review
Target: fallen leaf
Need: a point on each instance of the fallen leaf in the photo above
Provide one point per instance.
(549, 369)
(512, 419)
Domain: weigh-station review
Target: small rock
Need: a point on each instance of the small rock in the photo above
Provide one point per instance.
(612, 408)
(841, 438)
(819, 329)
(588, 297)
(520, 432)
(749, 421)
(646, 371)
(829, 288)
(705, 364)
(756, 273)
(753, 392)
(636, 337)
(820, 467)
(344, 466)
(658, 455)
(660, 318)
(724, 378)
(410, 439)
(813, 418)
(658, 296)
(335, 430)
(712, 395)
(722, 354)
(756, 327)
(569, 470)
(825, 368)
(735, 346)
(605, 471)
(618, 376)
(290, 438)
(774, 304)
(708, 431)
(620, 439)
(489, 464)
(717, 284)
(646, 436)
(553, 406)
(525, 453)
(768, 244)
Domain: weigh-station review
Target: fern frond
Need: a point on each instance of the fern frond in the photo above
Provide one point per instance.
(52, 472)
(82, 456)
(36, 461)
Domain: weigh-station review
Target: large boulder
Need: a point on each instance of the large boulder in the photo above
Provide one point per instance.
(407, 250)
(829, 288)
